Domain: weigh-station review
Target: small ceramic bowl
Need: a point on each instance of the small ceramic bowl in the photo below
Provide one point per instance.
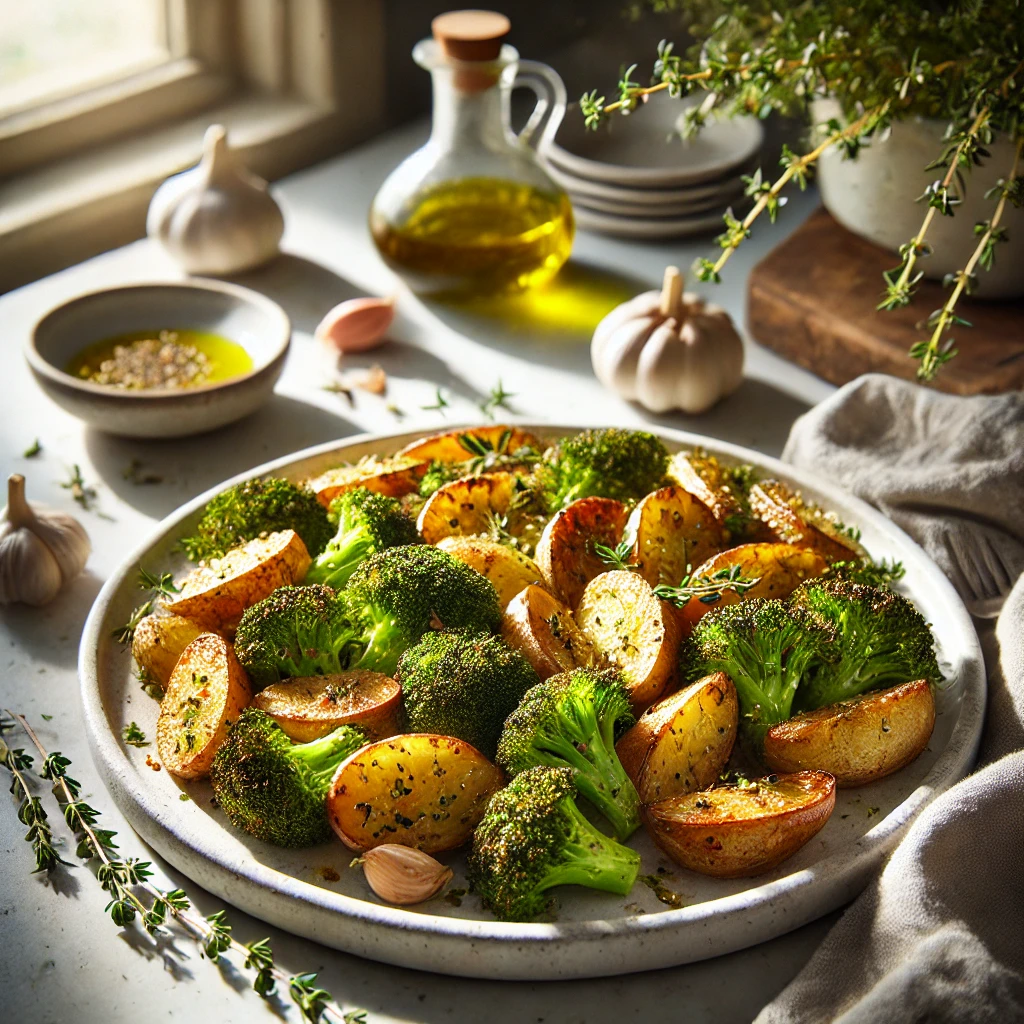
(251, 320)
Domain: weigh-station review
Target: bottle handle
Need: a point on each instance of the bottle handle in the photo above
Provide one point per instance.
(547, 85)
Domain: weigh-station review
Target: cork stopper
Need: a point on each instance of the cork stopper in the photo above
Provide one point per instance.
(471, 35)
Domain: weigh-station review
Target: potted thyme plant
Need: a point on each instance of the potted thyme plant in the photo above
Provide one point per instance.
(879, 63)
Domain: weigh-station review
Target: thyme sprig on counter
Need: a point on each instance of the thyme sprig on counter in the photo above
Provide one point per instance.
(133, 897)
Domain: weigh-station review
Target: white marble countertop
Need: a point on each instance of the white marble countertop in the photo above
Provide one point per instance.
(62, 959)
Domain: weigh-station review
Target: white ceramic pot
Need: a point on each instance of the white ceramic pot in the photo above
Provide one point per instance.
(874, 196)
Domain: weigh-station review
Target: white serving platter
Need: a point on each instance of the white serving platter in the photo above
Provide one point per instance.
(314, 892)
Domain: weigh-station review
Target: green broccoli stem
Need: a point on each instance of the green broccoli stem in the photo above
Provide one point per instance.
(385, 644)
(592, 859)
(322, 756)
(342, 558)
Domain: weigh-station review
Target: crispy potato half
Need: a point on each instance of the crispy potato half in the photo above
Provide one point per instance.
(448, 447)
(544, 631)
(509, 570)
(632, 631)
(682, 743)
(417, 790)
(466, 507)
(206, 693)
(158, 642)
(310, 707)
(565, 552)
(395, 477)
(858, 740)
(779, 568)
(672, 531)
(216, 594)
(794, 521)
(738, 831)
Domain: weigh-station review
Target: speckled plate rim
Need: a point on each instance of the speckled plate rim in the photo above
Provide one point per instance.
(489, 948)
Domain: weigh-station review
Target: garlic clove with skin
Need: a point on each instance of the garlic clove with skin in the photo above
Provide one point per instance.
(357, 325)
(41, 549)
(217, 217)
(402, 875)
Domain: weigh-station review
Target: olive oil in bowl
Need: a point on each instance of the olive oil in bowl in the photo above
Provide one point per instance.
(478, 235)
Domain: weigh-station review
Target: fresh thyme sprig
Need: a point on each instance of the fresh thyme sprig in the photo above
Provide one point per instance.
(485, 456)
(32, 450)
(134, 736)
(497, 398)
(616, 557)
(706, 589)
(163, 585)
(440, 403)
(126, 633)
(121, 878)
(81, 492)
(30, 809)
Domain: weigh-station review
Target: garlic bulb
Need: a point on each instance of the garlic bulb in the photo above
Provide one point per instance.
(667, 350)
(402, 875)
(40, 549)
(216, 218)
(357, 324)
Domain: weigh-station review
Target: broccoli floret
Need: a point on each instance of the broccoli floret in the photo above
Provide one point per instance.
(533, 837)
(875, 574)
(367, 522)
(248, 509)
(766, 649)
(438, 474)
(297, 631)
(275, 789)
(457, 683)
(881, 640)
(571, 720)
(610, 463)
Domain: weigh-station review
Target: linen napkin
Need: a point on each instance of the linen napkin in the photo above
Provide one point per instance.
(939, 936)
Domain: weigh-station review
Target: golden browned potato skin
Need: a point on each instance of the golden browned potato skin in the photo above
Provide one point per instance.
(311, 707)
(672, 531)
(543, 630)
(395, 477)
(446, 446)
(734, 832)
(206, 693)
(858, 740)
(683, 742)
(633, 632)
(565, 552)
(509, 570)
(217, 594)
(158, 642)
(416, 789)
(793, 521)
(464, 507)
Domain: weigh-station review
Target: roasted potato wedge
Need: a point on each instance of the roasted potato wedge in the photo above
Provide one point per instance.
(565, 552)
(395, 477)
(216, 594)
(779, 568)
(737, 831)
(543, 630)
(447, 446)
(417, 790)
(682, 743)
(206, 693)
(858, 740)
(311, 707)
(466, 507)
(509, 570)
(672, 531)
(632, 631)
(794, 521)
(158, 642)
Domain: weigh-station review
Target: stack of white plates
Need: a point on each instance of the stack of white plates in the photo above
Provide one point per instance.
(635, 178)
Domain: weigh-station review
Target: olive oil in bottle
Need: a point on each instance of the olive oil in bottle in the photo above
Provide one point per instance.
(479, 235)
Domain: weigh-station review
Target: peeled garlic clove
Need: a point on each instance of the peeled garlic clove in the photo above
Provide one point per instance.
(358, 324)
(402, 875)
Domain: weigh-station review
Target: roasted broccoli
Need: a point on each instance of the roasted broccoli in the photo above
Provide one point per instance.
(534, 837)
(275, 789)
(570, 720)
(766, 649)
(462, 684)
(366, 522)
(391, 600)
(610, 463)
(881, 639)
(438, 474)
(874, 574)
(243, 512)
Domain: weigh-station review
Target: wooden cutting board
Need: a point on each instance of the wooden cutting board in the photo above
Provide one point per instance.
(812, 300)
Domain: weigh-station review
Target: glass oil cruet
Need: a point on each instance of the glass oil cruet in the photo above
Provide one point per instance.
(473, 212)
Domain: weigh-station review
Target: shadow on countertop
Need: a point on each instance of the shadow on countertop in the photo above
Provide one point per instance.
(191, 465)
